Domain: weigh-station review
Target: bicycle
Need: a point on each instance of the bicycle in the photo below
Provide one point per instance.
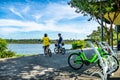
(60, 50)
(110, 56)
(76, 60)
(47, 51)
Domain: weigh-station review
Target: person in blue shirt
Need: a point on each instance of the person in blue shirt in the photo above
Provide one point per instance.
(60, 40)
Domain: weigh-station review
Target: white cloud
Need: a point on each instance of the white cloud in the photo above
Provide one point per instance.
(55, 12)
(64, 11)
(26, 9)
(52, 13)
(33, 26)
(25, 26)
(37, 16)
(7, 30)
(15, 12)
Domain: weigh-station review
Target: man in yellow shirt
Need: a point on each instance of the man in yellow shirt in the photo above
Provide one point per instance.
(46, 43)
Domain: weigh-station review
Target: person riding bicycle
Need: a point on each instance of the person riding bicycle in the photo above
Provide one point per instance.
(58, 46)
(46, 43)
(60, 41)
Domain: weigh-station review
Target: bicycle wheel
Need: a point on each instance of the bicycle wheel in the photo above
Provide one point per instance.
(56, 50)
(63, 51)
(75, 61)
(49, 52)
(115, 63)
(112, 61)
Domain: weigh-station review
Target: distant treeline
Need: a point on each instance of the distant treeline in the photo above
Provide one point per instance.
(33, 41)
(24, 41)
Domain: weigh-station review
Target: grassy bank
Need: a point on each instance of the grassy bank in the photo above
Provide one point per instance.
(22, 55)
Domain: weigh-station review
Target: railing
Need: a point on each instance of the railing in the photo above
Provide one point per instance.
(106, 63)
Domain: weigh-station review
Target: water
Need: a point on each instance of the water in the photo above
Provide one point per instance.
(32, 48)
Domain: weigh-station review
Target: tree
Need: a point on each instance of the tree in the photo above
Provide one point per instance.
(97, 10)
(96, 35)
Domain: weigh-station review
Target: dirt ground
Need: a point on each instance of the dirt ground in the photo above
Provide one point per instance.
(39, 67)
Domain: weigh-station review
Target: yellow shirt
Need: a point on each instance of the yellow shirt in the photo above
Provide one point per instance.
(46, 41)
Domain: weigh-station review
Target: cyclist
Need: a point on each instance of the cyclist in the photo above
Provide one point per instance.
(46, 43)
(60, 41)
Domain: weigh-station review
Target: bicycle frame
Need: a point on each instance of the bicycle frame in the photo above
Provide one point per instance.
(93, 59)
(47, 51)
(90, 60)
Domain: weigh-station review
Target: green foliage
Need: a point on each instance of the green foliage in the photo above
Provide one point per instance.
(3, 49)
(5, 54)
(78, 43)
(93, 7)
(24, 41)
(74, 45)
(95, 35)
(23, 55)
(3, 45)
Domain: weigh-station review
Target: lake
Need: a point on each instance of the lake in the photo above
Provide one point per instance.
(32, 48)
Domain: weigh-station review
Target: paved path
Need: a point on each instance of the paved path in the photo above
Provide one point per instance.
(39, 67)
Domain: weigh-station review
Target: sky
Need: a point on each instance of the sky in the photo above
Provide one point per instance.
(30, 19)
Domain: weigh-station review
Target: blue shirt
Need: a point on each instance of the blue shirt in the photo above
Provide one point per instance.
(60, 40)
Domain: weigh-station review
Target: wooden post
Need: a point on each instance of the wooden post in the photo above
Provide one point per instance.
(116, 28)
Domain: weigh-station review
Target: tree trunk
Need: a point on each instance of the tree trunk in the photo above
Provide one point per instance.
(108, 35)
(111, 35)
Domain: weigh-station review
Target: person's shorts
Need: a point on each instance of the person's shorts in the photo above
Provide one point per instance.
(46, 47)
(59, 45)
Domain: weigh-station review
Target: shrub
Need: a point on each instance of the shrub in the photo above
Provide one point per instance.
(3, 44)
(10, 53)
(3, 50)
(78, 43)
(5, 54)
(74, 45)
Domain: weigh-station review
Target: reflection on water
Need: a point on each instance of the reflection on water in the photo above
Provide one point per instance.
(31, 48)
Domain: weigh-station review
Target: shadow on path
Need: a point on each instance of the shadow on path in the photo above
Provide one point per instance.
(117, 78)
(39, 67)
